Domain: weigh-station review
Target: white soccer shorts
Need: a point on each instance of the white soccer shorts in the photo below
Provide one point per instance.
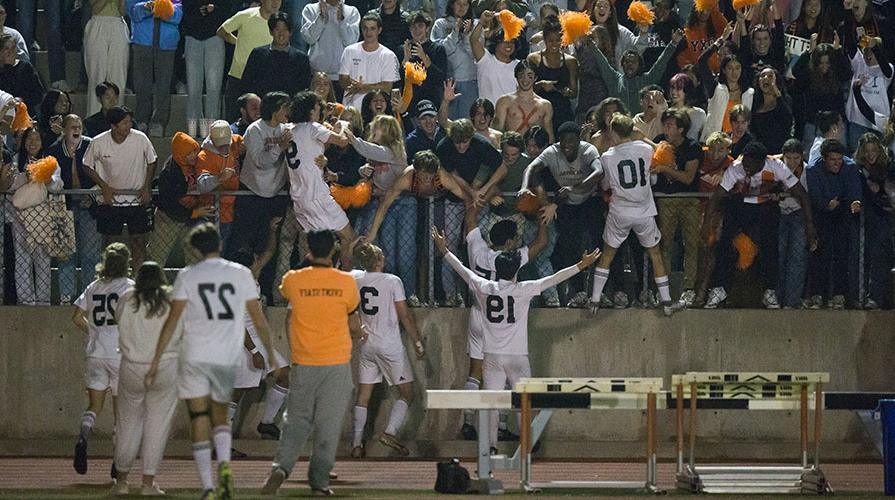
(618, 227)
(475, 341)
(247, 376)
(320, 214)
(199, 380)
(390, 362)
(102, 374)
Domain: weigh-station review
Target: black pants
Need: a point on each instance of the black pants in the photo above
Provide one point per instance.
(757, 221)
(579, 228)
(251, 225)
(879, 251)
(833, 267)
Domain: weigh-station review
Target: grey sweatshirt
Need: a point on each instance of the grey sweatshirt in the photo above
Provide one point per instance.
(264, 166)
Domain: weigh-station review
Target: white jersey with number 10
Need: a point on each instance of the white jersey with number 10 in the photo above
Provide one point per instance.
(626, 170)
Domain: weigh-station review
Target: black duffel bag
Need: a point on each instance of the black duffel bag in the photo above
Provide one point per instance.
(452, 477)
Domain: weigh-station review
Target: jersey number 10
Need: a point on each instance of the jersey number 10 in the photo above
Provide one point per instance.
(627, 173)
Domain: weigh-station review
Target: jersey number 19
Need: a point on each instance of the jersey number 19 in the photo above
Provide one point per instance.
(494, 309)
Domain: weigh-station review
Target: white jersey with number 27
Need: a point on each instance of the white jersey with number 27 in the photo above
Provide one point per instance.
(626, 173)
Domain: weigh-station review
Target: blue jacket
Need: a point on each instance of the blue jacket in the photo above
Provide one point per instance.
(824, 186)
(143, 25)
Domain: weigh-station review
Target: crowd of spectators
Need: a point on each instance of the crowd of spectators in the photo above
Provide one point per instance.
(809, 80)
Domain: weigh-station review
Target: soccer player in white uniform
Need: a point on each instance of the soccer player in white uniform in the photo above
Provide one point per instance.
(382, 307)
(626, 172)
(314, 206)
(94, 315)
(212, 296)
(503, 235)
(505, 303)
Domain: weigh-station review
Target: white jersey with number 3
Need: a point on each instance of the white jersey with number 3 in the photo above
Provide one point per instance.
(626, 172)
(216, 292)
(99, 302)
(378, 294)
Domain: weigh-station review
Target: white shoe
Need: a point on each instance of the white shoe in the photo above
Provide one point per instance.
(204, 126)
(770, 299)
(579, 301)
(687, 298)
(413, 301)
(717, 295)
(672, 307)
(152, 491)
(837, 302)
(120, 489)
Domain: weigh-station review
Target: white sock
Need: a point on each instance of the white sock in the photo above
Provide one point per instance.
(87, 421)
(601, 275)
(202, 456)
(360, 420)
(472, 384)
(223, 439)
(232, 406)
(396, 417)
(502, 423)
(664, 291)
(275, 397)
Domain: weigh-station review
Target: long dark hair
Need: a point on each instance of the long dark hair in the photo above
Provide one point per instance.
(366, 111)
(48, 106)
(449, 10)
(152, 288)
(22, 152)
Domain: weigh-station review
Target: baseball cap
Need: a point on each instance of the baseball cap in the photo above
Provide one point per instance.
(220, 133)
(426, 108)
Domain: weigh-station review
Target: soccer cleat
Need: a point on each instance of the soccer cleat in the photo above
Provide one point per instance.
(208, 495)
(506, 435)
(277, 476)
(837, 302)
(468, 432)
(579, 301)
(322, 492)
(269, 431)
(620, 300)
(80, 461)
(770, 299)
(687, 298)
(358, 452)
(551, 302)
(120, 489)
(393, 443)
(717, 295)
(225, 489)
(672, 307)
(152, 491)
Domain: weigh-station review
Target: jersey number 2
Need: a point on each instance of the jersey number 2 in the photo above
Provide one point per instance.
(292, 158)
(494, 309)
(207, 292)
(627, 169)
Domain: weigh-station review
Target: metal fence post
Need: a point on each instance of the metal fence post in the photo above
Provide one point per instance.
(431, 246)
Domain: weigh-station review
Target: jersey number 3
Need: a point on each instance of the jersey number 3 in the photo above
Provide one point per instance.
(628, 173)
(365, 293)
(494, 309)
(208, 290)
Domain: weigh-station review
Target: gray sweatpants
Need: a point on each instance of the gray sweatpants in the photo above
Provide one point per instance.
(318, 400)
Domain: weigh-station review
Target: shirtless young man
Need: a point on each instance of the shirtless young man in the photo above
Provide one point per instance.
(523, 108)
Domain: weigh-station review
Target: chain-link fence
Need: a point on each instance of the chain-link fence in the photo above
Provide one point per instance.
(50, 251)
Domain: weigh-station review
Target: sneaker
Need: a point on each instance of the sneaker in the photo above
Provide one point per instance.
(269, 431)
(80, 461)
(64, 300)
(61, 85)
(413, 301)
(813, 302)
(506, 435)
(468, 432)
(322, 492)
(687, 298)
(358, 452)
(620, 300)
(770, 299)
(120, 489)
(871, 305)
(648, 299)
(156, 130)
(717, 295)
(672, 307)
(837, 302)
(152, 491)
(579, 301)
(208, 495)
(606, 301)
(277, 477)
(455, 300)
(552, 301)
(393, 443)
(225, 489)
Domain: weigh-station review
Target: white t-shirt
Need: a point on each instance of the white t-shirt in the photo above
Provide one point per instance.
(138, 332)
(5, 97)
(481, 256)
(99, 301)
(378, 66)
(626, 173)
(378, 294)
(121, 166)
(758, 188)
(873, 91)
(495, 78)
(305, 177)
(216, 291)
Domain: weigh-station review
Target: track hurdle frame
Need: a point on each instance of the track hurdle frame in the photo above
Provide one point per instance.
(761, 391)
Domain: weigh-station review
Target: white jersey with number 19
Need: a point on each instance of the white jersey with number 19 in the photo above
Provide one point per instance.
(216, 292)
(626, 173)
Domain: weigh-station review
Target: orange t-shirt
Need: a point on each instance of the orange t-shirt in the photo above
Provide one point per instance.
(213, 163)
(321, 299)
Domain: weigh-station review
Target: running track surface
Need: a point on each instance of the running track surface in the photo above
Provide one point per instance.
(57, 473)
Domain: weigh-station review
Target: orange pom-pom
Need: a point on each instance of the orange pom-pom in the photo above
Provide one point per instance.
(574, 25)
(342, 195)
(512, 25)
(742, 4)
(22, 119)
(338, 109)
(641, 14)
(363, 192)
(414, 74)
(664, 154)
(528, 204)
(42, 170)
(746, 249)
(706, 5)
(163, 9)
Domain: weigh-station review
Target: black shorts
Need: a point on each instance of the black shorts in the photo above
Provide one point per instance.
(110, 219)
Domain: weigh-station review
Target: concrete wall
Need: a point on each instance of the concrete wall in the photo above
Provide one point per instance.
(42, 363)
